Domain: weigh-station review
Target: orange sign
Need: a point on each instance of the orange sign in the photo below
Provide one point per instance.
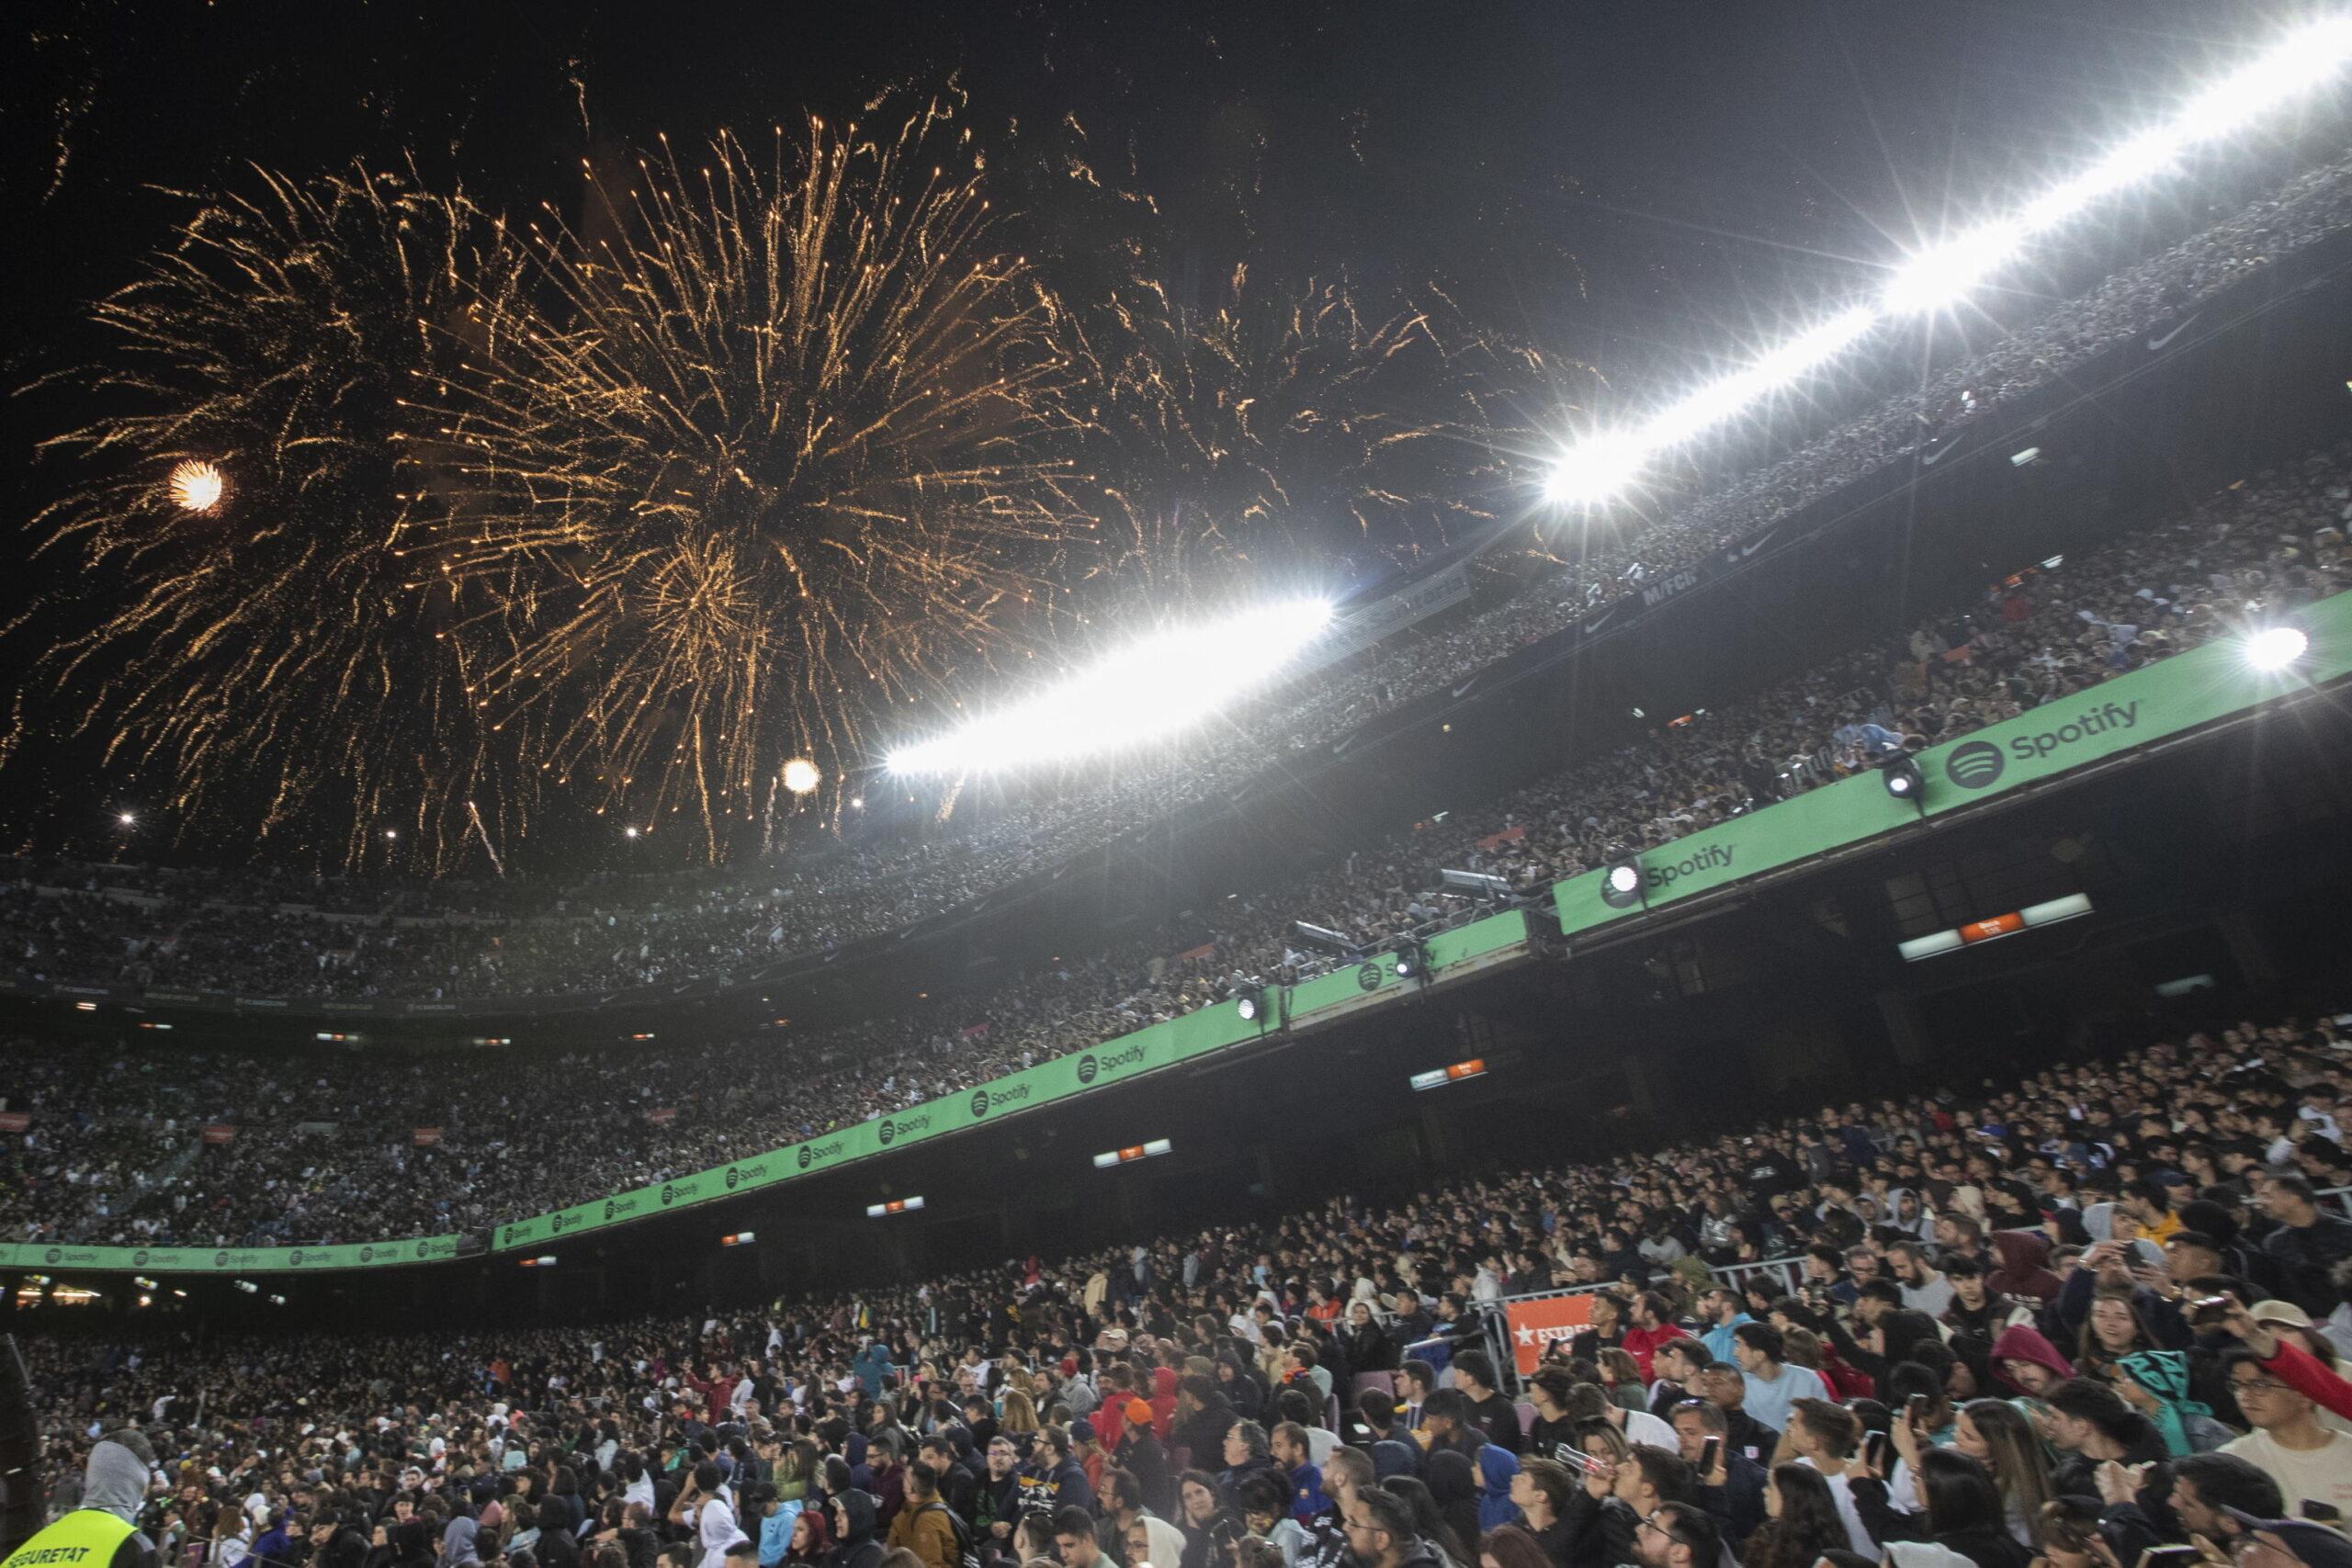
(1985, 931)
(1538, 1322)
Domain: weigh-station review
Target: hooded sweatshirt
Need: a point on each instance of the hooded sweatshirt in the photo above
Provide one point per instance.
(457, 1544)
(2021, 1266)
(114, 1481)
(858, 1549)
(2022, 1343)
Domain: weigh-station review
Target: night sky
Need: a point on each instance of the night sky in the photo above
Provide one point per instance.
(1600, 176)
(1636, 185)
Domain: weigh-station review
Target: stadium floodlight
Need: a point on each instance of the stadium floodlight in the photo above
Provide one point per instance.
(1594, 470)
(1323, 937)
(2273, 648)
(1783, 366)
(1623, 884)
(1250, 1001)
(1903, 779)
(1944, 272)
(1155, 687)
(1477, 882)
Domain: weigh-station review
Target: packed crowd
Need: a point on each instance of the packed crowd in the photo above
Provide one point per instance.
(113, 1153)
(2067, 1319)
(263, 935)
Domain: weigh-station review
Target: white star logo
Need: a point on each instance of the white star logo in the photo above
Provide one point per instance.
(1526, 1334)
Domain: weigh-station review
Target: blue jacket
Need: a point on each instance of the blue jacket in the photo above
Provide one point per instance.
(871, 1365)
(775, 1532)
(1306, 1499)
(1497, 1465)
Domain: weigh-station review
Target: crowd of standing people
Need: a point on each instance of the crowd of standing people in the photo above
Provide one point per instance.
(2072, 1318)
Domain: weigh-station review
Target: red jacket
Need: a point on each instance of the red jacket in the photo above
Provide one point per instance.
(1643, 1343)
(2307, 1375)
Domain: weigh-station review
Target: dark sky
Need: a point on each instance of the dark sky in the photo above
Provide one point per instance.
(1633, 183)
(1589, 174)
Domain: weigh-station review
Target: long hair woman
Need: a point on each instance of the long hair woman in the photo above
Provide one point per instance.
(1210, 1528)
(2112, 1330)
(1996, 1434)
(1020, 1413)
(1964, 1512)
(1801, 1520)
(1428, 1521)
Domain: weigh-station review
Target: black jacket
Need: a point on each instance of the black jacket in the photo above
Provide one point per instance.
(1368, 1349)
(1738, 1503)
(1987, 1549)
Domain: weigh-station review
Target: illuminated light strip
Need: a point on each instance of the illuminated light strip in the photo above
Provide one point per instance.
(1438, 1077)
(1144, 693)
(1601, 464)
(894, 1206)
(1991, 929)
(1132, 1153)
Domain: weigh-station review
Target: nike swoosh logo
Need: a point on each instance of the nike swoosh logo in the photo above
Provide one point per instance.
(2155, 345)
(1927, 458)
(1747, 551)
(1345, 742)
(1601, 620)
(1465, 685)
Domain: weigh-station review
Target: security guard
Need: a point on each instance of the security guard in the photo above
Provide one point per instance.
(103, 1531)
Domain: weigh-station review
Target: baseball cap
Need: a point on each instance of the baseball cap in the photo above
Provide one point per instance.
(2312, 1542)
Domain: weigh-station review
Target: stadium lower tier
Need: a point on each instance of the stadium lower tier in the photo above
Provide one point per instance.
(2009, 1282)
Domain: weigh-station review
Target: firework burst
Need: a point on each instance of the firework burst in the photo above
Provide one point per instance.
(773, 444)
(258, 656)
(1271, 432)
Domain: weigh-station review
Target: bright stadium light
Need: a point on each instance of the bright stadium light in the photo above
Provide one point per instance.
(1594, 470)
(1603, 463)
(2275, 648)
(1780, 366)
(1151, 689)
(1943, 274)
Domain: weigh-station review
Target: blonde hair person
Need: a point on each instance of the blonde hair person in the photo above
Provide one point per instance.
(1020, 1413)
(1994, 1433)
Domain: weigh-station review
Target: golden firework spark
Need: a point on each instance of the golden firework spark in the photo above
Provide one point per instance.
(773, 444)
(1275, 433)
(195, 486)
(801, 776)
(262, 658)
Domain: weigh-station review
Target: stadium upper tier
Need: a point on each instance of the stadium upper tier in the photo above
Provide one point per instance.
(115, 1156)
(260, 934)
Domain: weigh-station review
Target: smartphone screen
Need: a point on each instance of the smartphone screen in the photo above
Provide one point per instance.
(1875, 1446)
(1708, 1454)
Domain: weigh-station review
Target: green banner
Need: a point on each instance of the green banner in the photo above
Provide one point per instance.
(2170, 698)
(1115, 1061)
(2178, 694)
(228, 1260)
